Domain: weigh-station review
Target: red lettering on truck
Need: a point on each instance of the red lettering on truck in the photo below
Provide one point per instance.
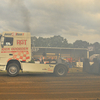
(21, 42)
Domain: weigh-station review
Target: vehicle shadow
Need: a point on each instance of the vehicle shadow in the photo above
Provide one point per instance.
(36, 75)
(4, 74)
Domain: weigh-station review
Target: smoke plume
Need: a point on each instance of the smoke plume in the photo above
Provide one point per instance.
(24, 12)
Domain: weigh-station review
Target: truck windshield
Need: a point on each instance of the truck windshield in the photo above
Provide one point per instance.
(8, 41)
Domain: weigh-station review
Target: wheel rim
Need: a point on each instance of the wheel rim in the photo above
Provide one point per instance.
(12, 70)
(61, 71)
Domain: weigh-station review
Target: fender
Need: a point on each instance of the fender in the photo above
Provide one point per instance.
(64, 64)
(14, 61)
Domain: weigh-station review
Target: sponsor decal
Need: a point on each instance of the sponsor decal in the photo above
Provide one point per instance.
(50, 66)
(50, 69)
(14, 34)
(44, 69)
(12, 50)
(8, 33)
(19, 34)
(20, 48)
(21, 42)
(19, 53)
(5, 49)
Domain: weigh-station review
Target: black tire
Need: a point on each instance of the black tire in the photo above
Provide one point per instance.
(60, 70)
(13, 69)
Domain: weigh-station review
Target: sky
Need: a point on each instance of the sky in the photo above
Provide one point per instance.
(71, 19)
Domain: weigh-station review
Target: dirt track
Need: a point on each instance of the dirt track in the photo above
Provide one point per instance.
(77, 86)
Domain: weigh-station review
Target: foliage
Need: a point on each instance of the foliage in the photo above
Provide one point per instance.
(32, 61)
(58, 41)
(80, 44)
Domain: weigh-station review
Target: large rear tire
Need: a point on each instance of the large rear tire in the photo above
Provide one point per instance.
(60, 70)
(13, 69)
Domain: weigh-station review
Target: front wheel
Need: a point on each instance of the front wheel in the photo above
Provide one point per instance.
(13, 69)
(60, 70)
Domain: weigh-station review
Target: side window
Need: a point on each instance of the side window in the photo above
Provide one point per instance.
(8, 41)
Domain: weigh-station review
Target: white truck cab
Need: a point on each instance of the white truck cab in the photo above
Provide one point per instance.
(15, 53)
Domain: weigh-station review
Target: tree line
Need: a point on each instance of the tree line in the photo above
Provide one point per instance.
(58, 41)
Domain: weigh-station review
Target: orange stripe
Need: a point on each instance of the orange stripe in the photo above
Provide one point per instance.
(9, 59)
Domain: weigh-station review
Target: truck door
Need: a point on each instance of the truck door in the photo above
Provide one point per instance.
(5, 50)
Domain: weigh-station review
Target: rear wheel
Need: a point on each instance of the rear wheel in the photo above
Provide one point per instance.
(13, 69)
(60, 70)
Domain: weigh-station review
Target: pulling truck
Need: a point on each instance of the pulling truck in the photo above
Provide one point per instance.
(15, 54)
